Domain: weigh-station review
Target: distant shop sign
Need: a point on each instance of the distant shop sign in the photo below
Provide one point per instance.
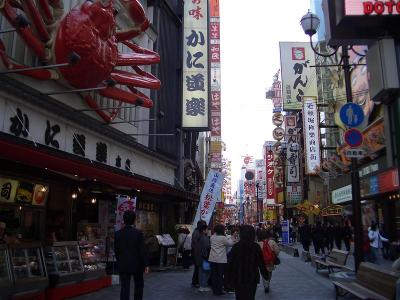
(360, 22)
(368, 8)
(341, 195)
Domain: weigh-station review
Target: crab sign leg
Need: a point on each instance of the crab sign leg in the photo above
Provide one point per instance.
(10, 65)
(23, 29)
(46, 9)
(148, 81)
(138, 15)
(140, 56)
(106, 117)
(34, 15)
(131, 97)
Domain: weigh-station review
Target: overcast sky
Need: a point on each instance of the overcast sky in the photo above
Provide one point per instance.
(250, 35)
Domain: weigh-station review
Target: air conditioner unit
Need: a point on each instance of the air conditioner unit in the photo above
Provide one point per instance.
(383, 71)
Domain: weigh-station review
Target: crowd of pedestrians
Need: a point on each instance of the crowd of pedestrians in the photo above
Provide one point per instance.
(235, 258)
(232, 259)
(325, 236)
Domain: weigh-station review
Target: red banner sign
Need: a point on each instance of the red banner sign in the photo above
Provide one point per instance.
(270, 176)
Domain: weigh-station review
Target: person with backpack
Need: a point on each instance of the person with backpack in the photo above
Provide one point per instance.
(270, 250)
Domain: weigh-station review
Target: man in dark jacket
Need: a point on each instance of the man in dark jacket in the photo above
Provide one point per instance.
(196, 253)
(131, 257)
(305, 235)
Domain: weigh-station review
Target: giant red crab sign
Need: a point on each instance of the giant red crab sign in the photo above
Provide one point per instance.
(85, 43)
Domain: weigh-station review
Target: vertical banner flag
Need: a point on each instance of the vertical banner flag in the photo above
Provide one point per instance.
(215, 82)
(260, 178)
(298, 77)
(195, 108)
(269, 162)
(311, 135)
(292, 154)
(210, 195)
(124, 203)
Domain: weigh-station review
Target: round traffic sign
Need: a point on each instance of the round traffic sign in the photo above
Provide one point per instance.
(353, 137)
(351, 114)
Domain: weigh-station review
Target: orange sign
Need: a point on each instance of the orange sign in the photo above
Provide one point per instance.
(214, 8)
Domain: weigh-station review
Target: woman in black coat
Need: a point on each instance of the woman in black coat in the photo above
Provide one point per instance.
(245, 264)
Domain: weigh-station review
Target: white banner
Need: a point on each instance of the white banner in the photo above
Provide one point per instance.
(298, 77)
(195, 108)
(210, 195)
(311, 135)
(124, 203)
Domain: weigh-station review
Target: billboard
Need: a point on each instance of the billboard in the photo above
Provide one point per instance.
(311, 135)
(298, 77)
(292, 154)
(195, 110)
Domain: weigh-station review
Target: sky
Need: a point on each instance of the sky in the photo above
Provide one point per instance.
(250, 34)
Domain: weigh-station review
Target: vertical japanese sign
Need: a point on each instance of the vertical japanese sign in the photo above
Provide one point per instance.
(215, 82)
(298, 77)
(269, 169)
(195, 65)
(277, 94)
(292, 154)
(260, 178)
(210, 195)
(311, 134)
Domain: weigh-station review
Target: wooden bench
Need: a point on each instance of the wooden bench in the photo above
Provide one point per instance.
(372, 282)
(336, 259)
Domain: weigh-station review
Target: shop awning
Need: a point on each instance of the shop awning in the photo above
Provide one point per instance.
(42, 157)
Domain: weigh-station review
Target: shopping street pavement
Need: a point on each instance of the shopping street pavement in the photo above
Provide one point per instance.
(293, 279)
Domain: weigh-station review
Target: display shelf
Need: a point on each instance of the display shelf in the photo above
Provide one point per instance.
(27, 267)
(5, 273)
(93, 257)
(64, 262)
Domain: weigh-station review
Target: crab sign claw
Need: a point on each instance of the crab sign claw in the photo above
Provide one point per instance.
(138, 15)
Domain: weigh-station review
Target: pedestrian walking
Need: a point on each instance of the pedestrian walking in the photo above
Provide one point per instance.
(375, 239)
(205, 267)
(245, 264)
(270, 250)
(218, 258)
(305, 235)
(347, 235)
(338, 235)
(131, 257)
(330, 236)
(385, 245)
(318, 238)
(185, 247)
(196, 253)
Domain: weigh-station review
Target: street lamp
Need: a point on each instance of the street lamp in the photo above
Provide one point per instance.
(310, 23)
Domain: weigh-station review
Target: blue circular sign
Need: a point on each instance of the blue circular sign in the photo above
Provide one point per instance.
(353, 137)
(351, 114)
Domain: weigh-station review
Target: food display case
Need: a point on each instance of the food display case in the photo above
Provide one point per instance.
(28, 268)
(94, 258)
(6, 282)
(64, 263)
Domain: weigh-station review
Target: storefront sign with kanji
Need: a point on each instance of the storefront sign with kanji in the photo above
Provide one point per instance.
(195, 110)
(311, 135)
